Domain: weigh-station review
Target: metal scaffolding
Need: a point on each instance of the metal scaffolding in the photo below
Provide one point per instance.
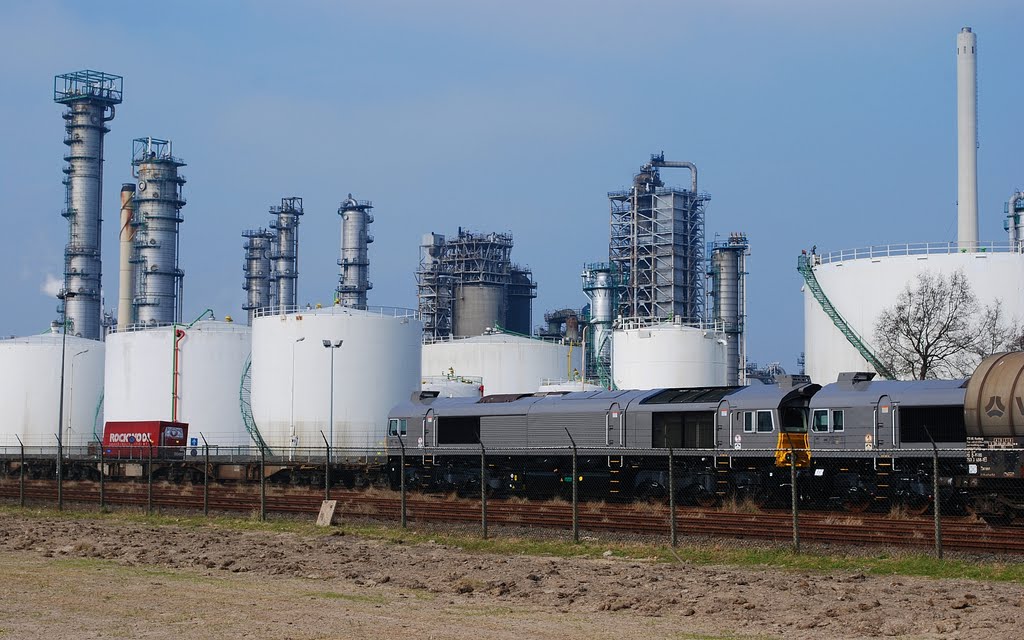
(657, 245)
(469, 282)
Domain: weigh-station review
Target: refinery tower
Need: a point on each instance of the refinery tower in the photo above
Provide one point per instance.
(89, 98)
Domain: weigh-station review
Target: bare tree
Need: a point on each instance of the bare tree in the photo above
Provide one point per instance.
(930, 332)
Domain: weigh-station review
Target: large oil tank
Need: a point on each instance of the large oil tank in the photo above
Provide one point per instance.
(668, 355)
(209, 359)
(505, 363)
(862, 283)
(374, 369)
(30, 390)
(477, 307)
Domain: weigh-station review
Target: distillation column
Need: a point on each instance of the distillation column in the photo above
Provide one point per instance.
(967, 139)
(353, 280)
(284, 254)
(257, 270)
(158, 203)
(728, 272)
(90, 97)
(601, 285)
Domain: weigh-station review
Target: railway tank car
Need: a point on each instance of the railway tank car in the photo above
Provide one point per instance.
(529, 438)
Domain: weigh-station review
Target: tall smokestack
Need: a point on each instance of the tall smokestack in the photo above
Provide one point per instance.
(967, 139)
(126, 283)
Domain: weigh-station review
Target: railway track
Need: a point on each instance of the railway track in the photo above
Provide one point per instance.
(958, 533)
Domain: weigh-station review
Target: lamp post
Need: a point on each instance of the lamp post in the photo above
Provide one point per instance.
(60, 405)
(71, 395)
(331, 346)
(291, 435)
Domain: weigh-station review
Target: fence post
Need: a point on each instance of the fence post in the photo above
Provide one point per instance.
(794, 498)
(935, 496)
(673, 532)
(263, 484)
(327, 468)
(149, 484)
(206, 475)
(21, 478)
(103, 479)
(483, 490)
(60, 475)
(575, 491)
(401, 476)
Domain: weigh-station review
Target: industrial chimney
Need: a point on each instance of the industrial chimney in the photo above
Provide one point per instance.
(353, 280)
(90, 97)
(967, 139)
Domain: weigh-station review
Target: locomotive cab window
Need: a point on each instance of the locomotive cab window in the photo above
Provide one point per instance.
(760, 421)
(820, 422)
(397, 427)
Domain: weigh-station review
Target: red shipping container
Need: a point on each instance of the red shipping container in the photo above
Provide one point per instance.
(136, 438)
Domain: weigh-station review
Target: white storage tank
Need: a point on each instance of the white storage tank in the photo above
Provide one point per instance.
(30, 390)
(667, 355)
(505, 363)
(862, 283)
(375, 368)
(141, 383)
(452, 385)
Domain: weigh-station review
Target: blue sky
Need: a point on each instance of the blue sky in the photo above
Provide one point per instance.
(810, 122)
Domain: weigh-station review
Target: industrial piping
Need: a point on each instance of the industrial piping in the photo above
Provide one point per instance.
(126, 283)
(668, 164)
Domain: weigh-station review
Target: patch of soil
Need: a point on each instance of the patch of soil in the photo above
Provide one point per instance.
(73, 576)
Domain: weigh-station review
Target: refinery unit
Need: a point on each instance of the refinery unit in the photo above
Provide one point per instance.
(667, 309)
(846, 291)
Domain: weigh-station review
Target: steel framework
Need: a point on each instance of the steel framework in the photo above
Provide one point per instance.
(657, 245)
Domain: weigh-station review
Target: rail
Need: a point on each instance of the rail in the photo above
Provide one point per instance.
(914, 249)
(336, 310)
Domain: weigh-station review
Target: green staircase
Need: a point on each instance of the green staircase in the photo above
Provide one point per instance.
(803, 265)
(244, 401)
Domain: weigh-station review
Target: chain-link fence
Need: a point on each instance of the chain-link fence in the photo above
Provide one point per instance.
(661, 495)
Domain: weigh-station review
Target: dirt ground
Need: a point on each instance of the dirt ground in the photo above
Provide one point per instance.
(63, 578)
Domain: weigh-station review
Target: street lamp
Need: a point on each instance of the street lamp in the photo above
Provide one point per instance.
(60, 405)
(331, 346)
(292, 421)
(71, 399)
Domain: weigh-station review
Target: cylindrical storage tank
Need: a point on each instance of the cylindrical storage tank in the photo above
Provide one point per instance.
(30, 392)
(453, 386)
(505, 363)
(374, 369)
(862, 283)
(141, 383)
(668, 355)
(477, 307)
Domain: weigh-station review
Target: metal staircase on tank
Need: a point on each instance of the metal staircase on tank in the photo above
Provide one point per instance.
(803, 265)
(245, 404)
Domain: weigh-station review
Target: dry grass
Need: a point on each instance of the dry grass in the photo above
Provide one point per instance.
(746, 505)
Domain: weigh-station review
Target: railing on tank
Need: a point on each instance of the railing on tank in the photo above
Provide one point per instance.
(337, 309)
(650, 323)
(914, 249)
